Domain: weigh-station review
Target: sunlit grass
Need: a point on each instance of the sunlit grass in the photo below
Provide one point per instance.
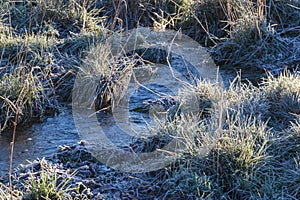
(283, 94)
(23, 92)
(238, 150)
(48, 185)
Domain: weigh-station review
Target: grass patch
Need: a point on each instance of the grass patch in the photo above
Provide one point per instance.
(242, 148)
(48, 184)
(23, 91)
(46, 181)
(256, 34)
(283, 94)
(41, 45)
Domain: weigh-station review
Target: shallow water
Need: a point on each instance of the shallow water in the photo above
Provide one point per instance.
(39, 140)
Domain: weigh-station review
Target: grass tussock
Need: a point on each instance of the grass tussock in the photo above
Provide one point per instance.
(253, 34)
(22, 91)
(102, 80)
(51, 18)
(283, 92)
(48, 182)
(246, 146)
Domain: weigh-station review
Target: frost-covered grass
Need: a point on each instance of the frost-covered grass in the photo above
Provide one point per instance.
(48, 183)
(56, 35)
(253, 133)
(232, 144)
(41, 44)
(240, 33)
(246, 146)
(26, 92)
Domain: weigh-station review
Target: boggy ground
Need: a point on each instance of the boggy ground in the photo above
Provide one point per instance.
(252, 135)
(255, 130)
(81, 176)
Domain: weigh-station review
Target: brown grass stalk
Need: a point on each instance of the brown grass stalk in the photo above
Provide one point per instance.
(12, 153)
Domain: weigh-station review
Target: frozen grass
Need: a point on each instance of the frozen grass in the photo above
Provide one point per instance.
(251, 153)
(48, 183)
(41, 44)
(232, 144)
(94, 78)
(253, 133)
(57, 35)
(102, 78)
(240, 33)
(253, 35)
(27, 91)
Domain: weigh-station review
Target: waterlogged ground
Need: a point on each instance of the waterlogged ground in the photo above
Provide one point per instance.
(39, 140)
(63, 38)
(43, 139)
(121, 127)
